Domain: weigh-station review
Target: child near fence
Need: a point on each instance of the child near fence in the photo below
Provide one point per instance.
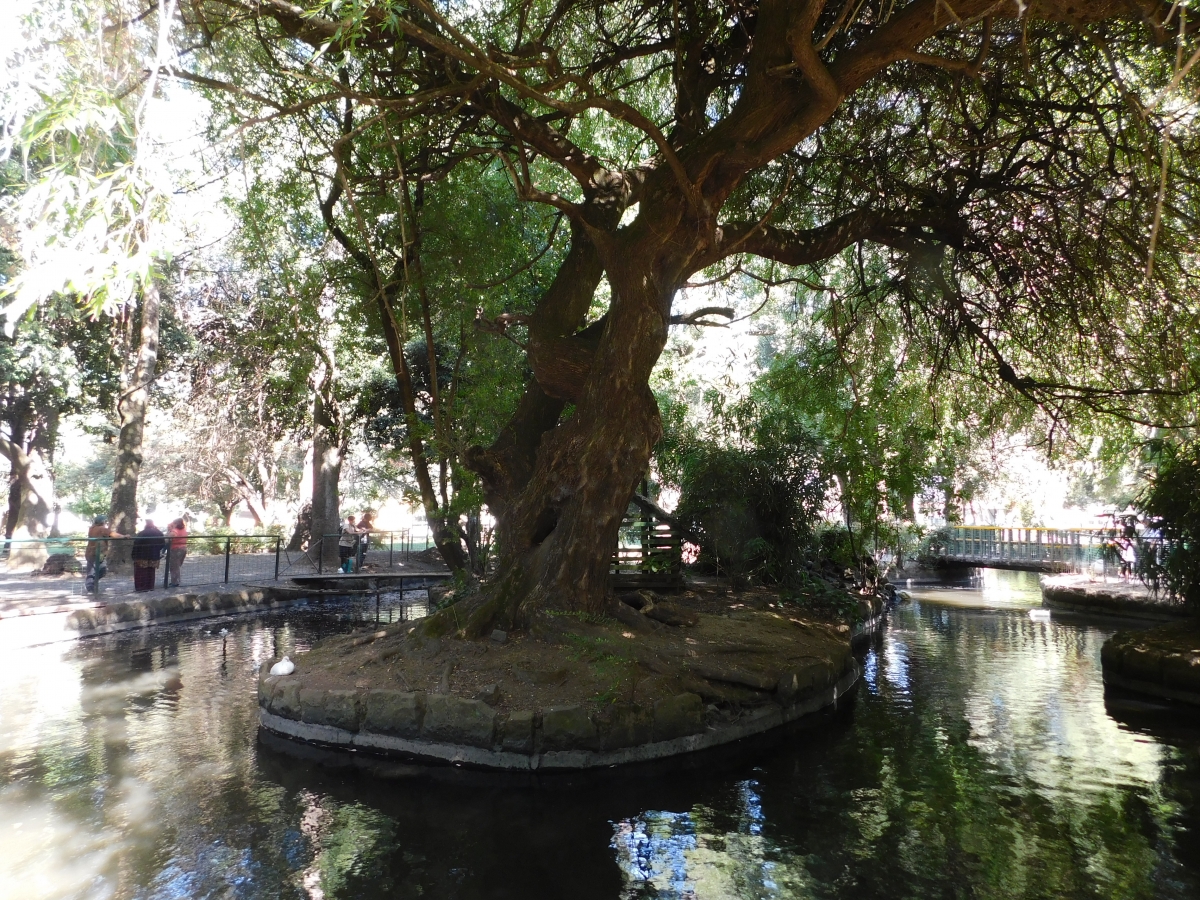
(177, 541)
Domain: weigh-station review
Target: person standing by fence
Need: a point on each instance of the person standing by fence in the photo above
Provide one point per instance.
(348, 545)
(177, 542)
(148, 549)
(97, 546)
(365, 526)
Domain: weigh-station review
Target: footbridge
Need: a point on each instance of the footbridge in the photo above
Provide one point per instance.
(1030, 549)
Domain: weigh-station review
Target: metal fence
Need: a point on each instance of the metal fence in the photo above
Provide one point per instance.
(379, 548)
(209, 558)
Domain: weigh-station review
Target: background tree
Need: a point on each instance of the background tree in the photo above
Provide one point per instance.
(89, 214)
(422, 244)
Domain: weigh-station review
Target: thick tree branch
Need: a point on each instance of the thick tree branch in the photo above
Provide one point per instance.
(697, 316)
(797, 248)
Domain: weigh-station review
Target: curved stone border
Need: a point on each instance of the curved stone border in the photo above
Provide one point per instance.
(1108, 600)
(565, 723)
(1163, 662)
(129, 614)
(1149, 687)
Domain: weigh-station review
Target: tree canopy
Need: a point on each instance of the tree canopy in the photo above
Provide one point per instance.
(983, 193)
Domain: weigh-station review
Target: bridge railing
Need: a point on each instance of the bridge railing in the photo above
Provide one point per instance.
(1066, 549)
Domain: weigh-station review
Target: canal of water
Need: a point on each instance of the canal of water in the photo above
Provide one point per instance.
(979, 758)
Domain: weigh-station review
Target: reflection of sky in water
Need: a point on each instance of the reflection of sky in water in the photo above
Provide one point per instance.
(651, 849)
(895, 661)
(1038, 713)
(988, 588)
(1026, 696)
(751, 807)
(870, 675)
(129, 769)
(1034, 693)
(685, 856)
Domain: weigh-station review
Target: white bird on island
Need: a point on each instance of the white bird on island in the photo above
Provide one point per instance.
(284, 667)
(224, 631)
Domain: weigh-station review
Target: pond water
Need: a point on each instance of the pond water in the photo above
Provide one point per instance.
(978, 759)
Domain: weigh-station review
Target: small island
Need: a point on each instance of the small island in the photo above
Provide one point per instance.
(653, 677)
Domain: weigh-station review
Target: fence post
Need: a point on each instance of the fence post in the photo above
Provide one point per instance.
(167, 568)
(320, 555)
(278, 545)
(391, 543)
(228, 545)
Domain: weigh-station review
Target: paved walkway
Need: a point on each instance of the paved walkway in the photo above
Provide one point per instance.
(24, 594)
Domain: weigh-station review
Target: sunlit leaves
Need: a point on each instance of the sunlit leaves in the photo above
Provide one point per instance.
(88, 207)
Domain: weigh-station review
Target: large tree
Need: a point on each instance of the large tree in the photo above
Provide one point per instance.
(1014, 171)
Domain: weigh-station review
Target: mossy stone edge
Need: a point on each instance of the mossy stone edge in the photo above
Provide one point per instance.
(184, 607)
(554, 739)
(1144, 662)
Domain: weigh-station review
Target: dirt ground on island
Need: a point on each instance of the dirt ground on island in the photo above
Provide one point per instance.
(730, 648)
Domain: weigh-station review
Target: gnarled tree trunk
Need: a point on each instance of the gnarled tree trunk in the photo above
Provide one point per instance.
(747, 91)
(556, 532)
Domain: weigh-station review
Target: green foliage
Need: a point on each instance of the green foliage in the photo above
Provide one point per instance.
(816, 596)
(935, 543)
(1170, 505)
(86, 487)
(753, 502)
(354, 850)
(884, 389)
(91, 205)
(215, 537)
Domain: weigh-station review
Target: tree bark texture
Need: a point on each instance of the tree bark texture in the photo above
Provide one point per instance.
(123, 508)
(302, 531)
(35, 513)
(556, 533)
(18, 415)
(327, 471)
(445, 533)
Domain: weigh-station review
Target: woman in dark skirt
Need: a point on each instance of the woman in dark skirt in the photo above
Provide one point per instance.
(148, 549)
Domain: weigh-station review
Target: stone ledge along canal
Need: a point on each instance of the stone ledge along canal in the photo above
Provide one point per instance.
(978, 758)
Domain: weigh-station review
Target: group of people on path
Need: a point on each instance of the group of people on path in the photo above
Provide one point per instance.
(149, 547)
(353, 539)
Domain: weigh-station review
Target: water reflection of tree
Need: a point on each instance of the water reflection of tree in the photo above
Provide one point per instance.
(964, 775)
(941, 801)
(159, 787)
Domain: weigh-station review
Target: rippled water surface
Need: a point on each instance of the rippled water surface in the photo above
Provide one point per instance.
(979, 758)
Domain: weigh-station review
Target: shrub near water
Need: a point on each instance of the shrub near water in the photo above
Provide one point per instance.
(1170, 504)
